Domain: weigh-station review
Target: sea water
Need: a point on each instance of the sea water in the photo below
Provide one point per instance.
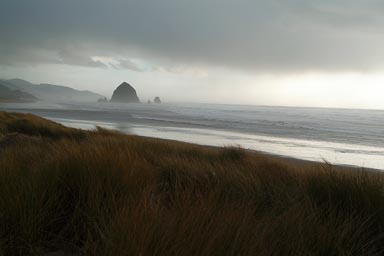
(339, 136)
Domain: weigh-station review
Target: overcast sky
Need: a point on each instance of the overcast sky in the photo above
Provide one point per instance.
(327, 53)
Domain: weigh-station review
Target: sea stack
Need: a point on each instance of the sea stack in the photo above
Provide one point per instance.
(125, 93)
(102, 99)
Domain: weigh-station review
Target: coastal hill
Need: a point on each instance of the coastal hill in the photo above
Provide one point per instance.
(8, 95)
(125, 93)
(50, 92)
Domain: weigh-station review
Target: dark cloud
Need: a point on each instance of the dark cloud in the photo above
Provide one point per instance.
(272, 36)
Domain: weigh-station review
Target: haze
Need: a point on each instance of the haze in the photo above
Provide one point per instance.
(277, 52)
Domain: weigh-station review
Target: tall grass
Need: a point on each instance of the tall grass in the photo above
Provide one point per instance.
(105, 193)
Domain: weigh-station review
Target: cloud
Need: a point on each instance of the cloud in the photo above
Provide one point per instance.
(74, 58)
(261, 36)
(131, 65)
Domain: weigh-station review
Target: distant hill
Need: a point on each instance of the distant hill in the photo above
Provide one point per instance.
(50, 92)
(9, 95)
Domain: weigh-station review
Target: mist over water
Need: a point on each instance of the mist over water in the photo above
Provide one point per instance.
(340, 136)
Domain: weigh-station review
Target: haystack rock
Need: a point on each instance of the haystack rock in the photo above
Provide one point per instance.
(125, 93)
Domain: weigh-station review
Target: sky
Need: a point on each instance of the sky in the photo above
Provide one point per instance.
(324, 53)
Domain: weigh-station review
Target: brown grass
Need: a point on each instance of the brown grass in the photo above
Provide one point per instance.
(105, 193)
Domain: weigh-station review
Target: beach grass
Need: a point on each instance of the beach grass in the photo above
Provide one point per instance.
(100, 192)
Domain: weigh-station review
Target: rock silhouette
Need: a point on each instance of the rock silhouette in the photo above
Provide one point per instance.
(125, 93)
(157, 100)
(102, 100)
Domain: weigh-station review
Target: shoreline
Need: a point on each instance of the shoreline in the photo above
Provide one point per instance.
(290, 159)
(337, 153)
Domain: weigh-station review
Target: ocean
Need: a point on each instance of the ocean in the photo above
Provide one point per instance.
(339, 136)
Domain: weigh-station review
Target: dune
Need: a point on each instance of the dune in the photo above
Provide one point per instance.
(101, 192)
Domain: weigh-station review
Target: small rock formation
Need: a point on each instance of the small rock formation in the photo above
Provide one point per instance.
(157, 100)
(102, 99)
(149, 102)
(125, 93)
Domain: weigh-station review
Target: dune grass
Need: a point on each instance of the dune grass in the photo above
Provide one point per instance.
(104, 193)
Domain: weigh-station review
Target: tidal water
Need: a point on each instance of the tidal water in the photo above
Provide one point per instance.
(339, 136)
